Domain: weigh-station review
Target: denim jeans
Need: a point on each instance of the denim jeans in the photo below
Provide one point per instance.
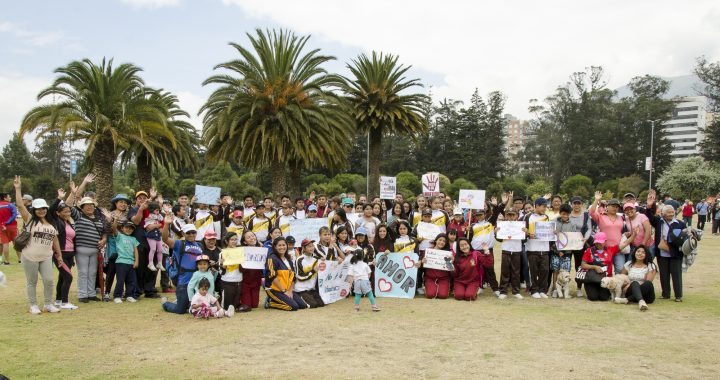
(619, 262)
(182, 304)
(525, 268)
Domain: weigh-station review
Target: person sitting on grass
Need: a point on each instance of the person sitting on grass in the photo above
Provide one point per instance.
(641, 271)
(203, 271)
(204, 304)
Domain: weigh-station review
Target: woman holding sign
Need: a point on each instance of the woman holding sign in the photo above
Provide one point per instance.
(231, 279)
(252, 278)
(279, 279)
(437, 282)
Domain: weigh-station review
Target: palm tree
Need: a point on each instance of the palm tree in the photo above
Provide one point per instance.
(176, 150)
(380, 107)
(280, 108)
(103, 106)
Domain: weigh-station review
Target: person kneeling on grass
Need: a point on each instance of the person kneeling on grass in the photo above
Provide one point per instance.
(468, 272)
(279, 278)
(359, 276)
(184, 256)
(204, 304)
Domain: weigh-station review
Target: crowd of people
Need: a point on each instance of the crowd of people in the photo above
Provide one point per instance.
(134, 240)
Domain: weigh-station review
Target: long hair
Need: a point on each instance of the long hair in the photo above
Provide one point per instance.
(387, 241)
(459, 252)
(226, 239)
(244, 242)
(646, 260)
(357, 255)
(337, 234)
(276, 242)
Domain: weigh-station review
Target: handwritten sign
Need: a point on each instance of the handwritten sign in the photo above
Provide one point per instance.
(431, 184)
(510, 230)
(395, 275)
(472, 199)
(305, 229)
(207, 194)
(233, 256)
(388, 187)
(545, 231)
(428, 230)
(570, 241)
(255, 257)
(332, 280)
(437, 259)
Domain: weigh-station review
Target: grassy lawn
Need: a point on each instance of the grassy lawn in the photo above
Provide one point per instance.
(409, 339)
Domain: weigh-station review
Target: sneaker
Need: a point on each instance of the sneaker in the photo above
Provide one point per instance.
(130, 299)
(118, 300)
(163, 299)
(267, 303)
(496, 293)
(68, 306)
(51, 308)
(152, 267)
(58, 302)
(375, 308)
(106, 297)
(421, 291)
(523, 285)
(555, 294)
(536, 295)
(161, 267)
(543, 295)
(35, 310)
(230, 311)
(519, 296)
(480, 291)
(578, 294)
(502, 296)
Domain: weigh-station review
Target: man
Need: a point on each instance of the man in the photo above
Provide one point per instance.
(322, 206)
(668, 200)
(8, 226)
(27, 200)
(284, 200)
(146, 278)
(270, 211)
(184, 202)
(248, 208)
(226, 209)
(299, 208)
(517, 204)
(702, 211)
(399, 198)
(362, 199)
(283, 221)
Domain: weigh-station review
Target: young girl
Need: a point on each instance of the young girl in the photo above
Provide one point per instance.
(306, 275)
(359, 276)
(236, 224)
(126, 262)
(203, 266)
(383, 239)
(369, 221)
(203, 304)
(416, 214)
(404, 242)
(458, 223)
(439, 217)
(468, 272)
(511, 261)
(482, 239)
(339, 219)
(252, 278)
(326, 248)
(341, 238)
(230, 279)
(153, 223)
(437, 282)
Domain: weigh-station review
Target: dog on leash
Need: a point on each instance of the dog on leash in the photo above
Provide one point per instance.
(615, 284)
(562, 285)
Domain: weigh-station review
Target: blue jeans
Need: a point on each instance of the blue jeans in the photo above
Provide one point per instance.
(182, 304)
(125, 277)
(619, 262)
(525, 268)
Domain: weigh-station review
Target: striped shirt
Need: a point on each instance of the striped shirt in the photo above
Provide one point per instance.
(88, 232)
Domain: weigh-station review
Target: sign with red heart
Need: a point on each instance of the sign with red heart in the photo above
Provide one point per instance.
(396, 274)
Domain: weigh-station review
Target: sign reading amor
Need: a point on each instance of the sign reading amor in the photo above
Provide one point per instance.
(332, 280)
(395, 275)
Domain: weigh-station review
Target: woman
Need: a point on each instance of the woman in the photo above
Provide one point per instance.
(667, 242)
(643, 237)
(554, 211)
(369, 221)
(38, 254)
(641, 272)
(377, 212)
(90, 238)
(437, 282)
(342, 238)
(609, 223)
(420, 204)
(383, 239)
(275, 233)
(340, 219)
(279, 279)
(396, 212)
(599, 258)
(59, 214)
(448, 206)
(467, 274)
(119, 205)
(252, 278)
(406, 209)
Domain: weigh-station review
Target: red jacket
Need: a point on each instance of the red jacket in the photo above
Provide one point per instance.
(459, 227)
(8, 214)
(467, 268)
(687, 211)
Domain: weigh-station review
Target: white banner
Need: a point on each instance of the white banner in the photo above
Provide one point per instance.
(207, 194)
(570, 241)
(254, 257)
(428, 230)
(437, 259)
(472, 199)
(332, 280)
(306, 229)
(388, 187)
(510, 230)
(545, 231)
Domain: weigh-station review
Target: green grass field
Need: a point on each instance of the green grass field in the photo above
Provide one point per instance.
(409, 339)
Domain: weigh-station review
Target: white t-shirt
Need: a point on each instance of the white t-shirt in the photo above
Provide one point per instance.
(359, 271)
(638, 274)
(534, 245)
(512, 245)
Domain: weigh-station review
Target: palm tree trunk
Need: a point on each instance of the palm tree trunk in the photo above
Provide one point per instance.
(295, 190)
(375, 150)
(144, 171)
(103, 159)
(279, 178)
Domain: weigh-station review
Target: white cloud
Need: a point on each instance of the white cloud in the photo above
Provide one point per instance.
(522, 48)
(32, 37)
(191, 103)
(17, 95)
(151, 4)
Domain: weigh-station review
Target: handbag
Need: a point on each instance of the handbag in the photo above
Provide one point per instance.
(23, 239)
(585, 276)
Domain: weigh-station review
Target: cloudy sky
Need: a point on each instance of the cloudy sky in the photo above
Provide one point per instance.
(523, 48)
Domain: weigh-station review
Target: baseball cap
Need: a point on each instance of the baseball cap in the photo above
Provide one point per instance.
(306, 241)
(457, 211)
(614, 202)
(237, 214)
(600, 238)
(210, 235)
(347, 201)
(576, 200)
(128, 223)
(188, 228)
(203, 258)
(427, 211)
(480, 211)
(628, 205)
(40, 203)
(139, 193)
(361, 231)
(290, 240)
(541, 202)
(629, 195)
(27, 197)
(312, 208)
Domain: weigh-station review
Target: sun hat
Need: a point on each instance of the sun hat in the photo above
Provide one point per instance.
(39, 203)
(188, 227)
(600, 238)
(120, 197)
(85, 201)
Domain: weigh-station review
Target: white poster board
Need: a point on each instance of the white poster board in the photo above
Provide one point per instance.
(388, 187)
(472, 199)
(207, 195)
(545, 231)
(570, 241)
(306, 229)
(428, 230)
(431, 184)
(437, 259)
(332, 280)
(510, 230)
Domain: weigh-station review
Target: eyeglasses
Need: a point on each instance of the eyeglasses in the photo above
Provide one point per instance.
(191, 233)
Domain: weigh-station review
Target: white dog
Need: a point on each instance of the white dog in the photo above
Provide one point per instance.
(562, 285)
(616, 284)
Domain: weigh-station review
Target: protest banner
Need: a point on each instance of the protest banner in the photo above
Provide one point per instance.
(388, 187)
(233, 256)
(545, 231)
(428, 231)
(437, 259)
(207, 194)
(431, 184)
(510, 230)
(570, 241)
(305, 229)
(332, 280)
(472, 199)
(254, 257)
(395, 275)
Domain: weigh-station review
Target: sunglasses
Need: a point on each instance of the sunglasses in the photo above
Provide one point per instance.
(191, 233)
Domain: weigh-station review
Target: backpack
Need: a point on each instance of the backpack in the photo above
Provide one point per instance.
(174, 269)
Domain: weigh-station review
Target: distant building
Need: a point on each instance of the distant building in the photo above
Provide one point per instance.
(684, 129)
(517, 134)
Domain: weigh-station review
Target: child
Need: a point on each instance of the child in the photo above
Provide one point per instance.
(126, 262)
(482, 239)
(560, 260)
(458, 223)
(203, 304)
(403, 242)
(153, 224)
(440, 218)
(537, 250)
(236, 223)
(326, 248)
(203, 266)
(260, 224)
(359, 276)
(452, 236)
(231, 279)
(511, 261)
(306, 275)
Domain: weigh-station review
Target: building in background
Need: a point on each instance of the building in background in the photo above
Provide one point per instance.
(517, 133)
(685, 128)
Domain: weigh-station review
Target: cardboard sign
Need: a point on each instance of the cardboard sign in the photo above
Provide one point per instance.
(395, 275)
(233, 256)
(570, 241)
(431, 184)
(255, 257)
(510, 230)
(305, 229)
(428, 231)
(207, 195)
(437, 259)
(545, 231)
(472, 199)
(388, 187)
(332, 280)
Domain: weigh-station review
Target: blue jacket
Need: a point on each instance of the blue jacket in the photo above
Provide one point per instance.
(674, 238)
